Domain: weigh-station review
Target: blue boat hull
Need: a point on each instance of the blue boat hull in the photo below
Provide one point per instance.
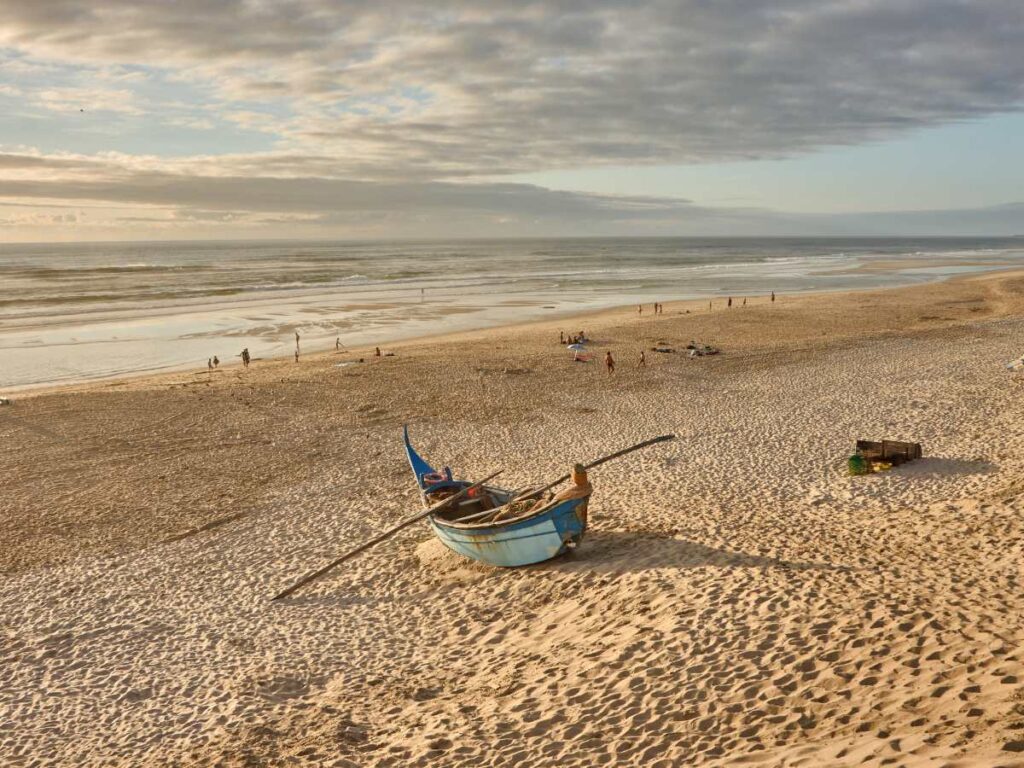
(533, 540)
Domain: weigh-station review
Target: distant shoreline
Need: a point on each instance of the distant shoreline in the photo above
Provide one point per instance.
(551, 323)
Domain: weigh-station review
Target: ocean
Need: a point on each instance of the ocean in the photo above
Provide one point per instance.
(71, 312)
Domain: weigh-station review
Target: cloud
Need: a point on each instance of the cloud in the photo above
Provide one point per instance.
(69, 178)
(91, 99)
(396, 116)
(473, 88)
(175, 196)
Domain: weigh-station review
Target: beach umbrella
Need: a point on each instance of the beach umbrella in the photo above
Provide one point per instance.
(576, 348)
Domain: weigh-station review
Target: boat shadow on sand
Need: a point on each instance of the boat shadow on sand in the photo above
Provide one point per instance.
(607, 552)
(634, 551)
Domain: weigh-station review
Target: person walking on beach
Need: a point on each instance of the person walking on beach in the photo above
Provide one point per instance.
(337, 344)
(643, 360)
(376, 351)
(729, 303)
(216, 362)
(245, 357)
(639, 309)
(773, 297)
(209, 363)
(609, 362)
(296, 342)
(561, 337)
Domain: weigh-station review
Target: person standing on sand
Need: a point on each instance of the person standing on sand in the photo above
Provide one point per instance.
(773, 297)
(337, 343)
(561, 337)
(729, 303)
(296, 342)
(639, 309)
(209, 364)
(245, 357)
(216, 362)
(609, 362)
(643, 360)
(376, 351)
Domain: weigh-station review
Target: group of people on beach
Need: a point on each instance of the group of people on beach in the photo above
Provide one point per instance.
(658, 308)
(728, 302)
(609, 360)
(214, 362)
(563, 338)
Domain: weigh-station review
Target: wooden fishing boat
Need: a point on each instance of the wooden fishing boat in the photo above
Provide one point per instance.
(488, 523)
(487, 527)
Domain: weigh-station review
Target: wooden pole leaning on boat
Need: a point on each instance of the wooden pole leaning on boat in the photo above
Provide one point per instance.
(440, 506)
(563, 478)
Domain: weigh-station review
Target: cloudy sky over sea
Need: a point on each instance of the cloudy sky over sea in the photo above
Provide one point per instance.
(309, 118)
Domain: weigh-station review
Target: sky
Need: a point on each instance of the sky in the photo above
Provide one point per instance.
(207, 119)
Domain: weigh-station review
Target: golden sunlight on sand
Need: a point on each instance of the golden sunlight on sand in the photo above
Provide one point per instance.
(739, 599)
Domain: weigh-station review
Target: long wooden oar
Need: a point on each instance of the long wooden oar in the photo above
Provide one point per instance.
(563, 478)
(387, 534)
(603, 459)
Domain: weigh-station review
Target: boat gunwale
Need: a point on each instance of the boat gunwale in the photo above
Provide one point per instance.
(506, 524)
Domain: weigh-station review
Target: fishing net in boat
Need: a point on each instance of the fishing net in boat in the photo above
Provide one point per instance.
(513, 509)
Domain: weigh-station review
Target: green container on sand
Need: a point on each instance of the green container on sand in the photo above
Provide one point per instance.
(858, 465)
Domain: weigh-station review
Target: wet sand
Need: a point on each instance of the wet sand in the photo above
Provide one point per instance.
(89, 322)
(739, 599)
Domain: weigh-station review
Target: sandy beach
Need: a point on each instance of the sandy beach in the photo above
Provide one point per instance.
(739, 599)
